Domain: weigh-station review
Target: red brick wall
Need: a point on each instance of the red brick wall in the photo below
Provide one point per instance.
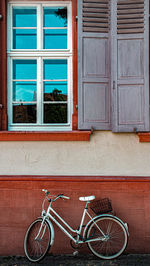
(20, 203)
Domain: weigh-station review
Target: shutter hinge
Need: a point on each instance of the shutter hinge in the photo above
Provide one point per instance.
(1, 16)
(114, 85)
(76, 18)
(76, 107)
(1, 106)
(92, 130)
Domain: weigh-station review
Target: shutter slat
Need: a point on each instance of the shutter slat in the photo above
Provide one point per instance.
(128, 26)
(130, 16)
(95, 10)
(90, 19)
(93, 29)
(130, 31)
(130, 2)
(132, 11)
(95, 1)
(95, 15)
(131, 6)
(131, 21)
(95, 5)
(100, 25)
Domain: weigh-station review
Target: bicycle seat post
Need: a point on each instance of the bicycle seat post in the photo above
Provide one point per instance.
(86, 205)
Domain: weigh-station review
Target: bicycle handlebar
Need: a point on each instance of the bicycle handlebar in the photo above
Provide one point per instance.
(65, 197)
(59, 196)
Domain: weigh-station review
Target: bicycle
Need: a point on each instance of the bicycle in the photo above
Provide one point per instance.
(105, 234)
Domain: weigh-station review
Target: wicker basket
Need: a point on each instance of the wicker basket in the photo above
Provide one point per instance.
(101, 206)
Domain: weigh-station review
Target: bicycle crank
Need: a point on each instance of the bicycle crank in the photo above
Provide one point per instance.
(75, 245)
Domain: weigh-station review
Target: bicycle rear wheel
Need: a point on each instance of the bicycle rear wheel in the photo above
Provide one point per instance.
(37, 240)
(113, 244)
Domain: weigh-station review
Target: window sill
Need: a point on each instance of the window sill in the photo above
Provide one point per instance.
(144, 137)
(45, 136)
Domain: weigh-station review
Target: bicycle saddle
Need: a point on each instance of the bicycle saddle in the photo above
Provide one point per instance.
(88, 198)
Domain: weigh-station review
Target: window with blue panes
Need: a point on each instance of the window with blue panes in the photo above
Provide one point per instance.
(39, 66)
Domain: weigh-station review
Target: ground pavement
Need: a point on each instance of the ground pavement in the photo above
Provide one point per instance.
(80, 260)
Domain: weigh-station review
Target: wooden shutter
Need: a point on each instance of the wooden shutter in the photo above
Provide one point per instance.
(93, 64)
(130, 66)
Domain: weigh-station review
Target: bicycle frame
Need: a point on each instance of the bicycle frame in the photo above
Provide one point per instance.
(79, 239)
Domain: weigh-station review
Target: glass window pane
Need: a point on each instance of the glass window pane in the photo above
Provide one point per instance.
(24, 17)
(55, 113)
(55, 91)
(55, 69)
(55, 39)
(24, 113)
(24, 69)
(55, 17)
(24, 39)
(24, 91)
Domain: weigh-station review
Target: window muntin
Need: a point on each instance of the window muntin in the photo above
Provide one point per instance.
(39, 83)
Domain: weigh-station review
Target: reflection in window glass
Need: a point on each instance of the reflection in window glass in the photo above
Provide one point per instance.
(24, 113)
(24, 39)
(24, 91)
(24, 17)
(55, 113)
(24, 69)
(55, 39)
(55, 91)
(55, 69)
(55, 17)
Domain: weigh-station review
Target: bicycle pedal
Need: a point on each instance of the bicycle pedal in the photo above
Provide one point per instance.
(75, 253)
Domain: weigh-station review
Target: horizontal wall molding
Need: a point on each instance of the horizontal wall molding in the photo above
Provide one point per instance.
(75, 178)
(144, 137)
(45, 136)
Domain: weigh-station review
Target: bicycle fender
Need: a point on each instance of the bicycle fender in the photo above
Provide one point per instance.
(52, 230)
(104, 215)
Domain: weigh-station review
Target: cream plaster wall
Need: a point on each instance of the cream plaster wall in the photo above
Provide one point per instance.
(105, 154)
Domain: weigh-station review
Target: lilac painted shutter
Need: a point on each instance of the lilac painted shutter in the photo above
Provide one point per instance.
(93, 64)
(130, 66)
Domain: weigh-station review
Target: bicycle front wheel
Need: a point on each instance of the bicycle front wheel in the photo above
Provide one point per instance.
(115, 241)
(37, 240)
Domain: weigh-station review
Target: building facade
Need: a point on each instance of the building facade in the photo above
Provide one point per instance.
(74, 113)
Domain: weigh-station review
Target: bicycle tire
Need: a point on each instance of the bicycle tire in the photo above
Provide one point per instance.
(36, 249)
(117, 239)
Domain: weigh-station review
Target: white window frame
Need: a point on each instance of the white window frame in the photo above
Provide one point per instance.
(40, 54)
